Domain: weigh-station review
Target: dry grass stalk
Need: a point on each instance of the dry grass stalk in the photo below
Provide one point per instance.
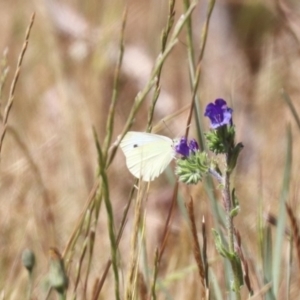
(240, 253)
(152, 294)
(92, 236)
(196, 248)
(159, 252)
(166, 228)
(142, 287)
(100, 282)
(79, 265)
(94, 289)
(295, 230)
(204, 252)
(49, 216)
(4, 73)
(74, 234)
(14, 82)
(138, 216)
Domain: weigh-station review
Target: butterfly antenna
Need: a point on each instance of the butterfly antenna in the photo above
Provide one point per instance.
(169, 129)
(162, 123)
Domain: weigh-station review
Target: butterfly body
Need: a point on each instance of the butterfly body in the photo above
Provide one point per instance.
(147, 154)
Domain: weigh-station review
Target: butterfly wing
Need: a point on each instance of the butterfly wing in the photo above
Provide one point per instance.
(147, 154)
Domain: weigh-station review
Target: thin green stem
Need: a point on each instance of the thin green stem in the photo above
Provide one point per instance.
(110, 217)
(30, 284)
(230, 235)
(111, 113)
(155, 273)
(228, 207)
(120, 232)
(164, 38)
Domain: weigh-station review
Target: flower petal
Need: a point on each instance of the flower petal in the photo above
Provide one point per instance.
(182, 147)
(218, 113)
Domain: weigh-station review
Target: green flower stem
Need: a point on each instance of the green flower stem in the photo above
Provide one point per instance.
(30, 284)
(229, 225)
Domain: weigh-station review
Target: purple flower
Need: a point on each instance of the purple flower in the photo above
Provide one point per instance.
(181, 147)
(193, 145)
(184, 148)
(219, 113)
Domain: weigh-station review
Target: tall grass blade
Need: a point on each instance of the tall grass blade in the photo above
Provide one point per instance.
(267, 260)
(291, 106)
(110, 216)
(295, 240)
(215, 289)
(277, 259)
(111, 113)
(196, 249)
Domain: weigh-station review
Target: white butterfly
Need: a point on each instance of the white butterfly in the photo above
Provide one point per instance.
(147, 154)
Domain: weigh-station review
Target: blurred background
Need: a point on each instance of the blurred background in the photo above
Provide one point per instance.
(49, 159)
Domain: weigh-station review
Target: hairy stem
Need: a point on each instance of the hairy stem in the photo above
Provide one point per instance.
(230, 234)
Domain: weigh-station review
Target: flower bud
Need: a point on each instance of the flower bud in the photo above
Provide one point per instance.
(57, 275)
(28, 259)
